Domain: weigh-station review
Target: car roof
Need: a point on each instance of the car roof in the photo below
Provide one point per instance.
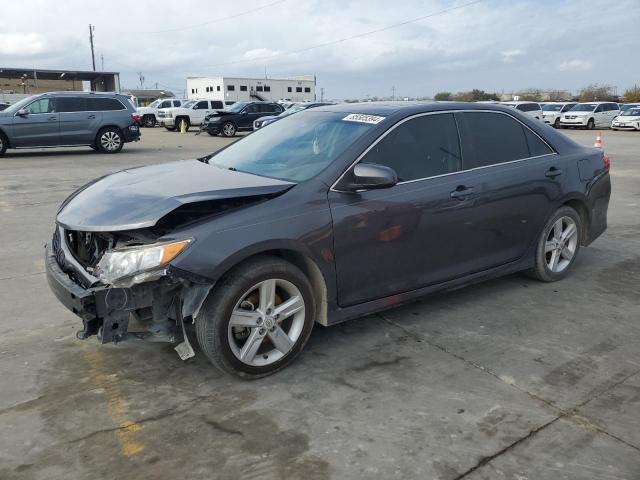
(386, 109)
(68, 93)
(519, 102)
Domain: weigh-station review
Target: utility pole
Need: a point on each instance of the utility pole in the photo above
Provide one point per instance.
(141, 77)
(102, 62)
(93, 55)
(322, 94)
(393, 92)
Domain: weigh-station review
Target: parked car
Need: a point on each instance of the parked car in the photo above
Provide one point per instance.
(264, 121)
(149, 114)
(627, 120)
(193, 112)
(327, 215)
(238, 117)
(532, 109)
(590, 115)
(552, 111)
(103, 121)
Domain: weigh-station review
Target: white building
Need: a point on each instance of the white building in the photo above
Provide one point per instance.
(231, 89)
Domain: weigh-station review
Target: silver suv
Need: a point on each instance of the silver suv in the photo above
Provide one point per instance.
(103, 121)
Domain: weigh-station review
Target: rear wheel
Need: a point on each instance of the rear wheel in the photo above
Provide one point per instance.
(258, 320)
(179, 122)
(228, 129)
(109, 140)
(171, 129)
(558, 246)
(556, 124)
(591, 124)
(3, 144)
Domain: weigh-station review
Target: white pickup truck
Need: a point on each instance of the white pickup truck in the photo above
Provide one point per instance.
(192, 112)
(149, 114)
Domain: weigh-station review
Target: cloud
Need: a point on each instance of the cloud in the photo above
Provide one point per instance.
(509, 55)
(20, 44)
(575, 65)
(258, 53)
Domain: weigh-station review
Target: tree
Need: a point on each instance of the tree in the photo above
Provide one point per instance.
(632, 94)
(559, 95)
(530, 95)
(442, 96)
(596, 92)
(474, 95)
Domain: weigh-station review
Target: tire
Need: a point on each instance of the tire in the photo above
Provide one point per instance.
(149, 121)
(4, 143)
(180, 120)
(548, 247)
(109, 140)
(212, 134)
(171, 129)
(228, 129)
(591, 124)
(241, 291)
(556, 124)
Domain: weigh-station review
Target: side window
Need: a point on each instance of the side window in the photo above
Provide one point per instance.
(217, 104)
(536, 146)
(490, 138)
(421, 147)
(104, 104)
(567, 107)
(44, 105)
(202, 105)
(176, 103)
(599, 108)
(253, 108)
(166, 104)
(73, 104)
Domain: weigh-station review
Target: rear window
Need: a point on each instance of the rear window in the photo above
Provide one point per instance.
(492, 138)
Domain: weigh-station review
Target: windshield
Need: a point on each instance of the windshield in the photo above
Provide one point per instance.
(550, 107)
(624, 108)
(295, 148)
(236, 107)
(294, 109)
(631, 112)
(18, 105)
(584, 107)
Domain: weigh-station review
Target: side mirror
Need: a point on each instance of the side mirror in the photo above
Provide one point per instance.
(371, 176)
(22, 112)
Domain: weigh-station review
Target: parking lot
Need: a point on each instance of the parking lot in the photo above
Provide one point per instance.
(509, 379)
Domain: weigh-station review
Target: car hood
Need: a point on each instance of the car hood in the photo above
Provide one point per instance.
(627, 118)
(139, 197)
(580, 114)
(219, 113)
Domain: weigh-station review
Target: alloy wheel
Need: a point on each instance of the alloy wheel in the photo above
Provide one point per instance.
(229, 130)
(561, 243)
(266, 322)
(110, 140)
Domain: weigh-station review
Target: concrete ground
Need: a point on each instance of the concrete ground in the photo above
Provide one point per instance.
(510, 379)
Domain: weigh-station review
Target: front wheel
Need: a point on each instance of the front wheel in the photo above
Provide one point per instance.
(558, 246)
(556, 124)
(258, 320)
(149, 121)
(109, 140)
(228, 129)
(591, 124)
(3, 144)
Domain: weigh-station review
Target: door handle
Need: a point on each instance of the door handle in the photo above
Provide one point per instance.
(91, 116)
(51, 119)
(461, 192)
(553, 172)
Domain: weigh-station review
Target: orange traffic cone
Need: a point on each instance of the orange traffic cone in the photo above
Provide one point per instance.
(598, 143)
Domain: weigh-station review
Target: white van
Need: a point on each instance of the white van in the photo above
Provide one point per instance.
(532, 109)
(590, 115)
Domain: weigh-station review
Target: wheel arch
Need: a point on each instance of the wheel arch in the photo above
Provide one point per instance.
(5, 136)
(580, 206)
(104, 127)
(322, 289)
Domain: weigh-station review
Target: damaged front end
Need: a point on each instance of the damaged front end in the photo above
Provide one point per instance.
(122, 285)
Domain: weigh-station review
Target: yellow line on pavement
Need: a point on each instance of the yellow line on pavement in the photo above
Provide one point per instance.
(128, 431)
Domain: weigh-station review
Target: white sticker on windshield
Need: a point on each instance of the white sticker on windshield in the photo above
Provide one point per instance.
(359, 117)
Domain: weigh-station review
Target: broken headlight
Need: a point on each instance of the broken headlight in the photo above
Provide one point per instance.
(137, 264)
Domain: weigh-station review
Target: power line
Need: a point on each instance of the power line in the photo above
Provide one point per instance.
(198, 25)
(352, 37)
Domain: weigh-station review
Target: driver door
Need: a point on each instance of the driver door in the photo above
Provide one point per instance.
(39, 127)
(249, 114)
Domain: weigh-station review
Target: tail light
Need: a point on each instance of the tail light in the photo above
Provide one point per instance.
(135, 117)
(606, 161)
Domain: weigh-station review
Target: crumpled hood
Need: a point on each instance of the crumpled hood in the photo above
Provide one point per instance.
(139, 197)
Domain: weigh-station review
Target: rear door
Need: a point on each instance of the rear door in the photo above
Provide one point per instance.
(516, 178)
(249, 114)
(600, 115)
(79, 120)
(39, 127)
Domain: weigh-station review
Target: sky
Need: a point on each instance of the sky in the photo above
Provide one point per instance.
(454, 45)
